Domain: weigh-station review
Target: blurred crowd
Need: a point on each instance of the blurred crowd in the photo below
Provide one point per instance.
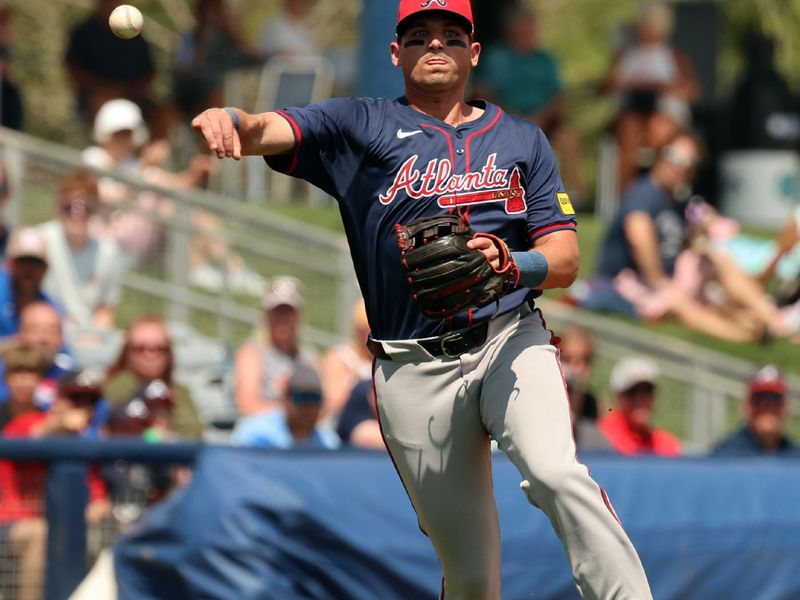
(140, 131)
(666, 254)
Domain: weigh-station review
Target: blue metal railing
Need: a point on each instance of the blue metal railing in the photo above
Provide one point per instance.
(66, 495)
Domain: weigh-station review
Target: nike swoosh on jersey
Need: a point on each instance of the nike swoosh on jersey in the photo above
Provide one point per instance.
(401, 135)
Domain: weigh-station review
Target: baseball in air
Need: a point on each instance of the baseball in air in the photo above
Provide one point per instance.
(126, 21)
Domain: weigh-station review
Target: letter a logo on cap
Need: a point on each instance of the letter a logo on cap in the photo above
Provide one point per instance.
(460, 8)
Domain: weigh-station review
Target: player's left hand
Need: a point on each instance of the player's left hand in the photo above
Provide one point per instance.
(490, 251)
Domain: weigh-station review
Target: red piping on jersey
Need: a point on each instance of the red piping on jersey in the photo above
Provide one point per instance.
(482, 131)
(298, 137)
(449, 141)
(547, 228)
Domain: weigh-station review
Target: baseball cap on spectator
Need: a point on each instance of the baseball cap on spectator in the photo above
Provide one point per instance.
(768, 379)
(459, 8)
(27, 243)
(304, 385)
(632, 370)
(84, 386)
(119, 115)
(284, 290)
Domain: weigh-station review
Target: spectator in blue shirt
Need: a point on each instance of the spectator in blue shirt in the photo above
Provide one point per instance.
(766, 410)
(21, 280)
(296, 423)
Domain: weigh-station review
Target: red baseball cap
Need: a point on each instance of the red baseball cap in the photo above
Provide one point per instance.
(768, 379)
(460, 8)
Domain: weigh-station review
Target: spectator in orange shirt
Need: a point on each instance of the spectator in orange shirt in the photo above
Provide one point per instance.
(629, 426)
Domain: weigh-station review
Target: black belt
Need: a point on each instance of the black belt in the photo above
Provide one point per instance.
(451, 344)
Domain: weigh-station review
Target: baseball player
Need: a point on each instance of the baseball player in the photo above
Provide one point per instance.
(449, 376)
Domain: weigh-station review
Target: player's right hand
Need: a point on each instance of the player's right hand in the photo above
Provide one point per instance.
(216, 127)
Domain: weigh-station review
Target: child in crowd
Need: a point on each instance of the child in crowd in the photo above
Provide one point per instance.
(24, 369)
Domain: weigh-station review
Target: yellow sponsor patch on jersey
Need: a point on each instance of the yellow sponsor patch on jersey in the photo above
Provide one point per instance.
(565, 204)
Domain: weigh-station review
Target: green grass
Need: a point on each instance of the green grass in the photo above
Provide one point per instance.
(324, 215)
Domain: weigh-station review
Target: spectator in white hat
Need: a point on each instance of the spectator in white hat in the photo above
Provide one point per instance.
(264, 365)
(21, 279)
(629, 425)
(136, 220)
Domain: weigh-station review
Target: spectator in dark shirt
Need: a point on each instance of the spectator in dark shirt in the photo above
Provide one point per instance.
(637, 257)
(766, 409)
(5, 195)
(358, 423)
(12, 110)
(103, 67)
(635, 273)
(213, 47)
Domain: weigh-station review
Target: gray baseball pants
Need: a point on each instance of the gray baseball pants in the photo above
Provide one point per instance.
(437, 416)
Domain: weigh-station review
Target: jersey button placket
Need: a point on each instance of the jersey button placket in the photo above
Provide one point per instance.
(460, 149)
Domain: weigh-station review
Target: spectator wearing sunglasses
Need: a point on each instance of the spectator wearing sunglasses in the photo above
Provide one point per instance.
(147, 357)
(766, 409)
(637, 258)
(21, 279)
(296, 423)
(638, 274)
(629, 425)
(84, 274)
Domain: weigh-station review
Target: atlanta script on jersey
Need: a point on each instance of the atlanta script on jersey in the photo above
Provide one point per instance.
(388, 164)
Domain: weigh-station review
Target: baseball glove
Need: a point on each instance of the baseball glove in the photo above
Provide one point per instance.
(447, 277)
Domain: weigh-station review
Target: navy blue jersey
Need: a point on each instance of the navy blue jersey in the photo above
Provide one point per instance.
(387, 163)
